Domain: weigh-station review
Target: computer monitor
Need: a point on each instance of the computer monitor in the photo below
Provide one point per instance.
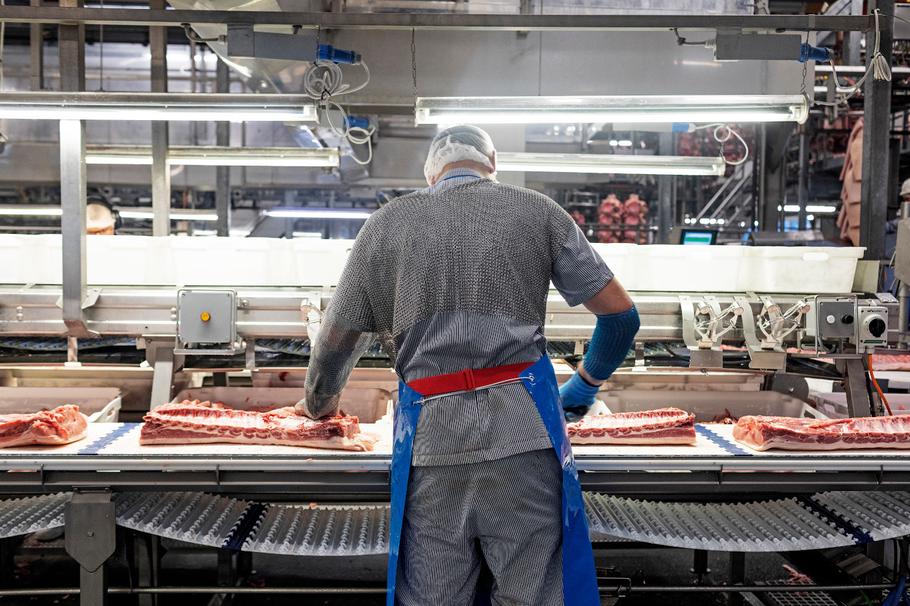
(698, 237)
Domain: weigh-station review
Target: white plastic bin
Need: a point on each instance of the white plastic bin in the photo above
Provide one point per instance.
(798, 269)
(100, 404)
(764, 269)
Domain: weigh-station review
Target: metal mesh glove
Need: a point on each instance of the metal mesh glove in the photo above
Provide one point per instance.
(333, 355)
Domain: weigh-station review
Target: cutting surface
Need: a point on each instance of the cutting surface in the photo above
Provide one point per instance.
(115, 446)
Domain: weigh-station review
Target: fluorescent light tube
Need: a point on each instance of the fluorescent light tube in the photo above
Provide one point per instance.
(209, 107)
(28, 211)
(216, 156)
(613, 109)
(610, 164)
(307, 234)
(810, 208)
(318, 213)
(175, 215)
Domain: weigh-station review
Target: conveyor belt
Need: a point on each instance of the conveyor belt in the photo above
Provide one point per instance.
(822, 521)
(115, 447)
(715, 464)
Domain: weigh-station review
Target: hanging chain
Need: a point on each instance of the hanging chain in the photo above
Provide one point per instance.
(803, 86)
(414, 60)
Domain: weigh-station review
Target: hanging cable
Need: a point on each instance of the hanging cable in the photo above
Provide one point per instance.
(681, 41)
(875, 384)
(878, 67)
(723, 138)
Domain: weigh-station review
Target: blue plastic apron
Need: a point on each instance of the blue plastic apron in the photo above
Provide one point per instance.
(579, 580)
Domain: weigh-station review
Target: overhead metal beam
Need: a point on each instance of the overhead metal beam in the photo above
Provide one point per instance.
(876, 135)
(452, 21)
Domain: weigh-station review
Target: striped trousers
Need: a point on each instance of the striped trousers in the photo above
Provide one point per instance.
(496, 524)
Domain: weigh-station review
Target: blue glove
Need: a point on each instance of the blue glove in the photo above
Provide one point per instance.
(577, 397)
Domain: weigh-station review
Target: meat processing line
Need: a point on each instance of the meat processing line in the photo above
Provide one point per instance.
(725, 330)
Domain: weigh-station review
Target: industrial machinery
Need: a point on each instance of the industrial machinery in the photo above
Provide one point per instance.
(720, 326)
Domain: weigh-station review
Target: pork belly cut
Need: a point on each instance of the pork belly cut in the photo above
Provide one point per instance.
(61, 425)
(763, 433)
(195, 422)
(662, 426)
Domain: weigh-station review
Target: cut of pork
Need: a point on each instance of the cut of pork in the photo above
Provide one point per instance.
(206, 423)
(662, 426)
(763, 433)
(61, 425)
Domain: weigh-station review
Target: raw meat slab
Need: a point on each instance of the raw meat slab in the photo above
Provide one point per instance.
(213, 423)
(61, 425)
(864, 433)
(651, 427)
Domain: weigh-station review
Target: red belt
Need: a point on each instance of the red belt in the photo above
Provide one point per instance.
(468, 379)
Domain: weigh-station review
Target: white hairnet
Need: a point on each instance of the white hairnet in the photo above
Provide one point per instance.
(456, 144)
(905, 188)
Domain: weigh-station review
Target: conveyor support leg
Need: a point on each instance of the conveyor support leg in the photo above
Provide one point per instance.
(737, 575)
(859, 402)
(91, 540)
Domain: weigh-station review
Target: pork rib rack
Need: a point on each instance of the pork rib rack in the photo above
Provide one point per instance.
(195, 422)
(763, 433)
(61, 425)
(662, 426)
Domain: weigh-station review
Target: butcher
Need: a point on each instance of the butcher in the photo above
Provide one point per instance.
(453, 281)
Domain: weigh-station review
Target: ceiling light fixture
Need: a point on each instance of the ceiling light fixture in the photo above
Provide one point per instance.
(612, 109)
(619, 164)
(301, 157)
(207, 107)
(318, 213)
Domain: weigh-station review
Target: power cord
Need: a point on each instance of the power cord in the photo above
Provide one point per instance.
(728, 133)
(324, 80)
(878, 67)
(681, 41)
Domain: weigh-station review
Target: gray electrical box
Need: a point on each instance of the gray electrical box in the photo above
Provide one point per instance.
(873, 327)
(736, 46)
(206, 318)
(833, 318)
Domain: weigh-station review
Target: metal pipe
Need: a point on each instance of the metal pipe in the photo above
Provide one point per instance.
(436, 21)
(803, 177)
(161, 172)
(903, 294)
(223, 173)
(619, 590)
(876, 138)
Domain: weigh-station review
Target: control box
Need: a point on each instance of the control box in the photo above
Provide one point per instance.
(206, 320)
(833, 317)
(872, 327)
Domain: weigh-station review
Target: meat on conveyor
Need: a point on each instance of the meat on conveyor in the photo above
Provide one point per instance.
(61, 425)
(194, 422)
(661, 426)
(763, 433)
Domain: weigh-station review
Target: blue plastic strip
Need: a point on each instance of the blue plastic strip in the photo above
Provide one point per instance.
(859, 536)
(108, 439)
(246, 526)
(719, 440)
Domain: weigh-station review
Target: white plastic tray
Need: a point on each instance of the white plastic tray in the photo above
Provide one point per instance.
(100, 404)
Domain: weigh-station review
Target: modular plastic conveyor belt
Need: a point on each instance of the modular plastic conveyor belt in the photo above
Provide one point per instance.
(824, 520)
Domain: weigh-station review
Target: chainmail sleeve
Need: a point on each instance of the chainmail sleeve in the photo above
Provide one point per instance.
(346, 332)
